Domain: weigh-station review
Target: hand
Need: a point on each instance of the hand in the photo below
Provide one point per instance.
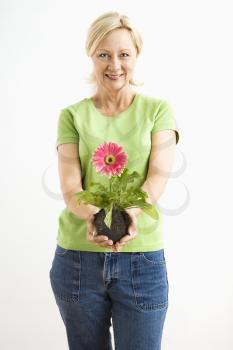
(92, 236)
(132, 229)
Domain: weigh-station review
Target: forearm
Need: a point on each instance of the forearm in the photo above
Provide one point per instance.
(154, 187)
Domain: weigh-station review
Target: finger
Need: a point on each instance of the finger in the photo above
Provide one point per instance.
(90, 229)
(119, 243)
(132, 229)
(105, 243)
(115, 248)
(127, 238)
(118, 247)
(131, 235)
(90, 223)
(133, 226)
(100, 238)
(91, 236)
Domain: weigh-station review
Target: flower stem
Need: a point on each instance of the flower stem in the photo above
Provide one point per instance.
(110, 184)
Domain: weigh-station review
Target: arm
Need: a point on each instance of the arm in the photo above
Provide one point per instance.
(71, 181)
(160, 164)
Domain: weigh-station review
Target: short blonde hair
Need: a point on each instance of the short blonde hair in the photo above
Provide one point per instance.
(104, 24)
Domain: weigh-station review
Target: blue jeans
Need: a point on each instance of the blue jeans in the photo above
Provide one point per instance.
(92, 289)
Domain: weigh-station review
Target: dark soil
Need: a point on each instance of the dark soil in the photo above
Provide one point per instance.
(119, 226)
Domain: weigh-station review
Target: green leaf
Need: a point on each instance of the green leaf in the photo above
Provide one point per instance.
(147, 208)
(101, 187)
(151, 211)
(108, 217)
(97, 199)
(120, 197)
(127, 178)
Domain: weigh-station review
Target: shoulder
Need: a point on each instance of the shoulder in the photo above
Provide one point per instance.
(74, 108)
(151, 103)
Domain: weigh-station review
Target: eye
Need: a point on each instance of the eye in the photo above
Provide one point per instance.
(102, 54)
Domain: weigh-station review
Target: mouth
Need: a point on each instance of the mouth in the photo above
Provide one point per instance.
(114, 76)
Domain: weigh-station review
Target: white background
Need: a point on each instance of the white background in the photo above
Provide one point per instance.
(187, 60)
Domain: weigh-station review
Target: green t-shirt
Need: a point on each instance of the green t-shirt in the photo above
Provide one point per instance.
(83, 124)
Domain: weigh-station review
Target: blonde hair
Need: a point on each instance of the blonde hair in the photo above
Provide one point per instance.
(104, 24)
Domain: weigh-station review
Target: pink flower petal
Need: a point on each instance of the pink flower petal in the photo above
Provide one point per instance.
(105, 150)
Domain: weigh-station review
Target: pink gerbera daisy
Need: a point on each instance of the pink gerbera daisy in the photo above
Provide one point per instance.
(109, 159)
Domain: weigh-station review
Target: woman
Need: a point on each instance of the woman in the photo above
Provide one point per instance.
(94, 280)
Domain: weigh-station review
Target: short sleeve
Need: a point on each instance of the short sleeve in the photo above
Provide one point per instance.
(164, 119)
(66, 130)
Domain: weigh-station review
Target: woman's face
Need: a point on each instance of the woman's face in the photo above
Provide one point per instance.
(114, 60)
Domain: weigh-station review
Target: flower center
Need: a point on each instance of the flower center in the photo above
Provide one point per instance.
(110, 159)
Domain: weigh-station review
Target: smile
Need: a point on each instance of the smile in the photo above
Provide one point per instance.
(113, 77)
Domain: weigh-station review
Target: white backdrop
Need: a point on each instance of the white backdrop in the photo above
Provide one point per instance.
(187, 60)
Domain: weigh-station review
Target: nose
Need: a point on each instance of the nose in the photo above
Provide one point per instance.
(114, 65)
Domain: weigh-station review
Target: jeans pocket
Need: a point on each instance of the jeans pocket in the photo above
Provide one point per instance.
(65, 274)
(154, 257)
(150, 282)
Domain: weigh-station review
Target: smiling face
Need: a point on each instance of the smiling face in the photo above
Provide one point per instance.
(114, 60)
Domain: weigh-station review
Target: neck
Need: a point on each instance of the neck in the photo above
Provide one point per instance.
(113, 100)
